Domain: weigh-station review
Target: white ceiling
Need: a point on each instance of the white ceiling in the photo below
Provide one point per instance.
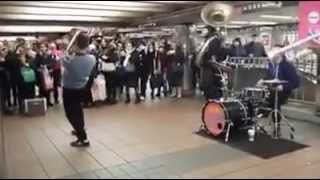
(113, 13)
(285, 11)
(87, 11)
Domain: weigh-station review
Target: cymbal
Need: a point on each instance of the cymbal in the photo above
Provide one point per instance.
(275, 81)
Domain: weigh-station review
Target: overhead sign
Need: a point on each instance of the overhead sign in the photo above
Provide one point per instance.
(258, 6)
(309, 24)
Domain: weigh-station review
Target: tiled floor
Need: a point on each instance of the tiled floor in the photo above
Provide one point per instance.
(150, 140)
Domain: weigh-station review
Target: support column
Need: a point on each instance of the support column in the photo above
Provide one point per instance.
(182, 38)
(317, 51)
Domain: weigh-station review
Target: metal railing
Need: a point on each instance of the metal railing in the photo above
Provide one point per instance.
(308, 67)
(247, 62)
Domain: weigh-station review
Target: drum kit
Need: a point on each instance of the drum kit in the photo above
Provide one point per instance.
(242, 112)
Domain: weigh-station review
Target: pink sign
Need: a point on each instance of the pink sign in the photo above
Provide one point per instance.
(309, 20)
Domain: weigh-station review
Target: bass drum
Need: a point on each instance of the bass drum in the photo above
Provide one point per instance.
(216, 115)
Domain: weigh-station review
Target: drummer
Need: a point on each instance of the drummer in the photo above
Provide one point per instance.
(280, 68)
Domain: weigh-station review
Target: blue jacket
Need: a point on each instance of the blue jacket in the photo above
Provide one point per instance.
(286, 72)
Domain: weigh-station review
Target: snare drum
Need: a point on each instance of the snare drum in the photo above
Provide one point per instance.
(255, 93)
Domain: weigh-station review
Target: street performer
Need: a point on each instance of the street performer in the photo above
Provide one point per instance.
(279, 68)
(211, 55)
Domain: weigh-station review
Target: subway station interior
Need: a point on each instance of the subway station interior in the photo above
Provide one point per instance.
(159, 89)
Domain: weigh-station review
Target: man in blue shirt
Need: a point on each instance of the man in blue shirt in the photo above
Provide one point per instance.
(77, 73)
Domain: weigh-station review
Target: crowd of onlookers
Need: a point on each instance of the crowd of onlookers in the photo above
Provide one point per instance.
(30, 70)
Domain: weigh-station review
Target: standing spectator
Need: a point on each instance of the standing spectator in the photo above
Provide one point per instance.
(255, 48)
(142, 70)
(237, 50)
(195, 70)
(77, 72)
(13, 65)
(130, 64)
(26, 78)
(43, 62)
(148, 63)
(56, 56)
(157, 78)
(120, 81)
(176, 71)
(4, 79)
(110, 56)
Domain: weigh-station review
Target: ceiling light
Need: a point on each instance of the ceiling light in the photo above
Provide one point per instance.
(262, 23)
(81, 6)
(233, 26)
(32, 29)
(63, 11)
(14, 38)
(279, 17)
(252, 23)
(113, 3)
(239, 22)
(58, 18)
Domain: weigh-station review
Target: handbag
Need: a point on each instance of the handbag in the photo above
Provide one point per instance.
(98, 89)
(130, 67)
(47, 79)
(108, 67)
(177, 68)
(28, 75)
(156, 81)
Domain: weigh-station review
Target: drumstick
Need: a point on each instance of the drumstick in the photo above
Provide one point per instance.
(294, 45)
(72, 41)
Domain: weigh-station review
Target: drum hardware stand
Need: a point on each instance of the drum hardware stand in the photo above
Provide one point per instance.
(201, 128)
(230, 124)
(277, 123)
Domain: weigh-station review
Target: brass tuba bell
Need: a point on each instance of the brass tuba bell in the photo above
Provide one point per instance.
(216, 13)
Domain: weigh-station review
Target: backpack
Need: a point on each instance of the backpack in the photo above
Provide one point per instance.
(28, 75)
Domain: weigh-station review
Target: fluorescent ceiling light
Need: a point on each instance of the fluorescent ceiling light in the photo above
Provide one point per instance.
(32, 29)
(279, 17)
(253, 22)
(123, 30)
(233, 26)
(262, 23)
(82, 6)
(113, 3)
(239, 22)
(14, 38)
(71, 12)
(58, 18)
(177, 2)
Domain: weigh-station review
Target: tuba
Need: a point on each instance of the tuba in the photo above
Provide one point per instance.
(215, 14)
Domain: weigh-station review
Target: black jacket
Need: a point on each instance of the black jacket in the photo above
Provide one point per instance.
(238, 52)
(4, 76)
(13, 65)
(145, 62)
(256, 49)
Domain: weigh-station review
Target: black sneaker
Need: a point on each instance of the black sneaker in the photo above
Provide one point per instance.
(74, 133)
(159, 95)
(127, 101)
(137, 101)
(80, 143)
